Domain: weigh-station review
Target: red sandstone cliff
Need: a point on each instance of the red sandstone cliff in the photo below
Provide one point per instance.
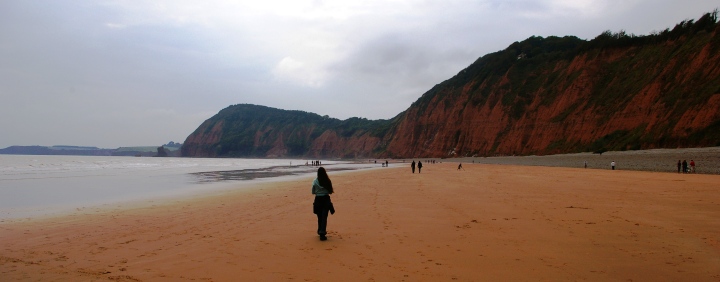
(655, 95)
(540, 96)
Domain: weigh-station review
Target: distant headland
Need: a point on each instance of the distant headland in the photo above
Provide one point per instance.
(171, 149)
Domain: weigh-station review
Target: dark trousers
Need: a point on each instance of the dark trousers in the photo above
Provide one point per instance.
(321, 207)
(322, 222)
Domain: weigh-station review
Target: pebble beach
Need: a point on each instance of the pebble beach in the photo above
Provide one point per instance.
(660, 160)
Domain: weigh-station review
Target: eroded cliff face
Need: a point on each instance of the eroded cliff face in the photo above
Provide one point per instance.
(200, 142)
(619, 98)
(539, 96)
(330, 144)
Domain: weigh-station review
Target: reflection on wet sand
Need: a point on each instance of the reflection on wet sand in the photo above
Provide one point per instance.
(250, 174)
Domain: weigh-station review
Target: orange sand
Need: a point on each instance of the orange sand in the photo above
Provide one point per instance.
(487, 223)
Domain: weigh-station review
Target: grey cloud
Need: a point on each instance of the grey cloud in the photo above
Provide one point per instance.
(64, 71)
(399, 61)
(93, 73)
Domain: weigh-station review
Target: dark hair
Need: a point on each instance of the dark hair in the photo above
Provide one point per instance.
(324, 180)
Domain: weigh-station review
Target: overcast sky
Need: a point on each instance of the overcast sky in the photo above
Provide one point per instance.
(127, 73)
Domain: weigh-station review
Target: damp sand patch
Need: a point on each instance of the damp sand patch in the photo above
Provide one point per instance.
(262, 173)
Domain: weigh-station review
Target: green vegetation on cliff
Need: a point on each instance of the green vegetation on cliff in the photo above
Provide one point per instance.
(252, 131)
(676, 67)
(549, 95)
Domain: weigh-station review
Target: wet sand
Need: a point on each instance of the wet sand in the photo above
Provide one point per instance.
(486, 223)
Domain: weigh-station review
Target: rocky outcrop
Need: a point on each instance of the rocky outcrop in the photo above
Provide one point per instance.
(257, 131)
(539, 96)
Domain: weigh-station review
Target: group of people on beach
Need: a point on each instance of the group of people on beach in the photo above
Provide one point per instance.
(683, 166)
(419, 166)
(612, 165)
(314, 163)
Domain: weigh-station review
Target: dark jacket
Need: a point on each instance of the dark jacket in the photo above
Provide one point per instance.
(323, 203)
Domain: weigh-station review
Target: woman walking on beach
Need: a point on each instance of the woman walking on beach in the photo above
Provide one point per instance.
(322, 188)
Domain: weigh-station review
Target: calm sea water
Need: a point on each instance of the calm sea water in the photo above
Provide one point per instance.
(43, 185)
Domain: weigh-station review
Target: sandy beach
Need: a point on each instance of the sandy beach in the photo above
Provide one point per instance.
(483, 223)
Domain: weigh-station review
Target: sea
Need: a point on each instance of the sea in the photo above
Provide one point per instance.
(38, 185)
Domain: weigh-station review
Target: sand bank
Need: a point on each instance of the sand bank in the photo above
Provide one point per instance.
(486, 223)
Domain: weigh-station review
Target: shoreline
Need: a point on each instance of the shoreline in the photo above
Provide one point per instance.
(181, 186)
(653, 160)
(486, 223)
